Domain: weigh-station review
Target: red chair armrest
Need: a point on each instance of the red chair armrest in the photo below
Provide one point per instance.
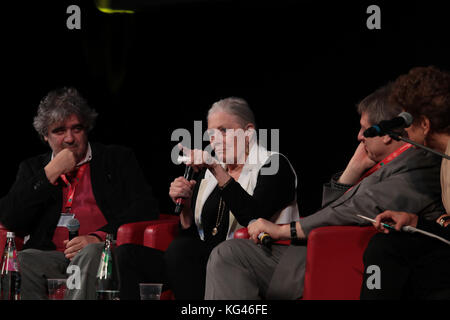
(334, 265)
(159, 236)
(241, 233)
(134, 232)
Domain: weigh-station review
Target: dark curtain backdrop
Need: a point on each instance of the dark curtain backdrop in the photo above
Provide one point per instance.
(302, 65)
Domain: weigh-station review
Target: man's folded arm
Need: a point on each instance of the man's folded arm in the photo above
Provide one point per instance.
(394, 193)
(26, 199)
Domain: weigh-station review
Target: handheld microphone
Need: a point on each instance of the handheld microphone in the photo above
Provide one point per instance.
(265, 239)
(403, 120)
(179, 203)
(73, 225)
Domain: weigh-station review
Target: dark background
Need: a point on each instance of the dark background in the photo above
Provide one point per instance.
(302, 66)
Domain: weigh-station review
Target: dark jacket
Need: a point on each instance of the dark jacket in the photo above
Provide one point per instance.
(33, 205)
(434, 227)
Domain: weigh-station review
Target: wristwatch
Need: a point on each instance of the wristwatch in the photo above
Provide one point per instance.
(294, 231)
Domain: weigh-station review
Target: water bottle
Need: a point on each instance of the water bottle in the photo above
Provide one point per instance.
(107, 282)
(10, 272)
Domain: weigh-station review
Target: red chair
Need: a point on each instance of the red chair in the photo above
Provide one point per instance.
(134, 232)
(160, 235)
(157, 234)
(241, 234)
(334, 265)
(127, 233)
(154, 233)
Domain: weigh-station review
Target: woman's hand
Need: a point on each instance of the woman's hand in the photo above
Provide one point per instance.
(199, 159)
(182, 188)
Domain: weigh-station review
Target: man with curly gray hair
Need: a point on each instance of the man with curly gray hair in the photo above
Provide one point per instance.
(101, 186)
(59, 107)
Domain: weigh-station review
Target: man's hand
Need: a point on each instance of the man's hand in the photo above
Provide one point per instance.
(399, 219)
(276, 231)
(63, 162)
(358, 164)
(77, 244)
(444, 220)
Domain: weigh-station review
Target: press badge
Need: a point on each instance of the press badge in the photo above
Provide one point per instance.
(65, 218)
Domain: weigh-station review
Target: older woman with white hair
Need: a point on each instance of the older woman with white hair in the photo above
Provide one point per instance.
(242, 182)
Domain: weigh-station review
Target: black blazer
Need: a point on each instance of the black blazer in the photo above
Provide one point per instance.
(33, 205)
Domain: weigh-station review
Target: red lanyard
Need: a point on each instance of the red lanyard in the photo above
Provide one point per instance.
(72, 186)
(383, 162)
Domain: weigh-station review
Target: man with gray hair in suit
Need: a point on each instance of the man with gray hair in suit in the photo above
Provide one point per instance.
(383, 173)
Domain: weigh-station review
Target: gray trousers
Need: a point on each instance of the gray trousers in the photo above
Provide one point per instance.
(36, 266)
(238, 269)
